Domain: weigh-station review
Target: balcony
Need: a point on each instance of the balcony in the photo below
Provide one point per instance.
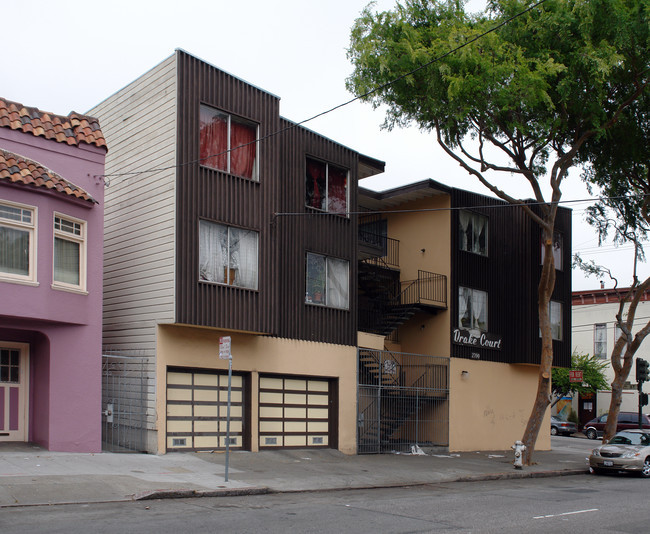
(385, 302)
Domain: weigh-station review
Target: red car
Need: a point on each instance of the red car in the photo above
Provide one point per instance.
(626, 421)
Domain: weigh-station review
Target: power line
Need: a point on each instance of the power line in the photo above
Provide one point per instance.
(330, 110)
(503, 204)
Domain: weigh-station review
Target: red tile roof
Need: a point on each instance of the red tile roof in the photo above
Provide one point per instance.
(17, 169)
(72, 130)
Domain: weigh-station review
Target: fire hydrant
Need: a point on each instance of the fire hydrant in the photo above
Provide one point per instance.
(519, 449)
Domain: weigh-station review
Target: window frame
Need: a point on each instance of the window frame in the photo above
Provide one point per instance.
(472, 327)
(228, 269)
(327, 164)
(600, 328)
(551, 304)
(81, 240)
(203, 161)
(308, 294)
(470, 247)
(558, 251)
(31, 228)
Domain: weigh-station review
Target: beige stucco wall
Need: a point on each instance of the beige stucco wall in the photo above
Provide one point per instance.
(186, 346)
(425, 244)
(490, 407)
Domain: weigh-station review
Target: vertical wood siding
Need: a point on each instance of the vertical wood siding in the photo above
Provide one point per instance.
(278, 306)
(510, 275)
(139, 123)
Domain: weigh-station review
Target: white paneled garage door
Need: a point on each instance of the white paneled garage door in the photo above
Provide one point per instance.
(294, 412)
(197, 405)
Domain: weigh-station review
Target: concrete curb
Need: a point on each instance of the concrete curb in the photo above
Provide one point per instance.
(263, 490)
(189, 493)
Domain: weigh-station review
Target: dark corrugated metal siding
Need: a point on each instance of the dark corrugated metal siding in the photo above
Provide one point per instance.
(510, 275)
(278, 306)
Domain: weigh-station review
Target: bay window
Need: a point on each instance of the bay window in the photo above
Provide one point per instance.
(473, 235)
(227, 143)
(228, 255)
(17, 242)
(472, 309)
(326, 187)
(327, 281)
(69, 253)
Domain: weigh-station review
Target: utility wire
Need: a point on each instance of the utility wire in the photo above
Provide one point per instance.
(360, 97)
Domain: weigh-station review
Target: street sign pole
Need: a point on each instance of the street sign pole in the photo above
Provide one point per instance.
(225, 354)
(228, 417)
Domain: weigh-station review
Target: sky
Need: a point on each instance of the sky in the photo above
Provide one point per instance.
(69, 55)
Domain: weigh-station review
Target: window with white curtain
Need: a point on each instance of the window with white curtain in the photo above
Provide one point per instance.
(472, 309)
(600, 340)
(69, 253)
(228, 255)
(473, 229)
(17, 242)
(327, 281)
(555, 316)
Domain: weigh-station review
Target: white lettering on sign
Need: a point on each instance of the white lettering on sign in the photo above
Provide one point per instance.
(465, 337)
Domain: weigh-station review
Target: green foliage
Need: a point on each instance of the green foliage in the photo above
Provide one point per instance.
(533, 87)
(593, 377)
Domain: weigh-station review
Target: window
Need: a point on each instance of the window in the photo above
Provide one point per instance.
(473, 232)
(69, 253)
(220, 136)
(555, 311)
(327, 281)
(17, 243)
(472, 309)
(228, 255)
(600, 340)
(327, 187)
(557, 250)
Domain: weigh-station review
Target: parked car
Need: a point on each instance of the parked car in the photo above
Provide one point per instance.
(628, 450)
(626, 421)
(560, 426)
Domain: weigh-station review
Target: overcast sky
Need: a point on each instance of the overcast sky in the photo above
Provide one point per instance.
(68, 55)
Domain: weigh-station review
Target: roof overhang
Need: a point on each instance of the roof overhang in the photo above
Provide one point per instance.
(390, 198)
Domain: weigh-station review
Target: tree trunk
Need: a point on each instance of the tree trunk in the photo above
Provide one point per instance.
(542, 399)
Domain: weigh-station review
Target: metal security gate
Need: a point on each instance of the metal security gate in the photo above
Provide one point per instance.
(403, 400)
(125, 390)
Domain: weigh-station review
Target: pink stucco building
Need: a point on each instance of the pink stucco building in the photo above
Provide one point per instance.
(51, 225)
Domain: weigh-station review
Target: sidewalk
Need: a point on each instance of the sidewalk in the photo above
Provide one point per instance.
(30, 475)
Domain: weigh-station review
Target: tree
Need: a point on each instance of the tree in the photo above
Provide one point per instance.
(519, 102)
(617, 165)
(593, 378)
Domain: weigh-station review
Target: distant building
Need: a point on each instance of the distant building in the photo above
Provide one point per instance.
(51, 233)
(594, 332)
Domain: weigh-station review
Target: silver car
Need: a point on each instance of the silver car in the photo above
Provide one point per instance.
(628, 450)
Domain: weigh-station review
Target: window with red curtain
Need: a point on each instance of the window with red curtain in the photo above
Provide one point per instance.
(227, 144)
(326, 187)
(337, 197)
(242, 160)
(316, 184)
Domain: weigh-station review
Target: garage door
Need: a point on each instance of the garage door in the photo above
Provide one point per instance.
(197, 406)
(294, 412)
